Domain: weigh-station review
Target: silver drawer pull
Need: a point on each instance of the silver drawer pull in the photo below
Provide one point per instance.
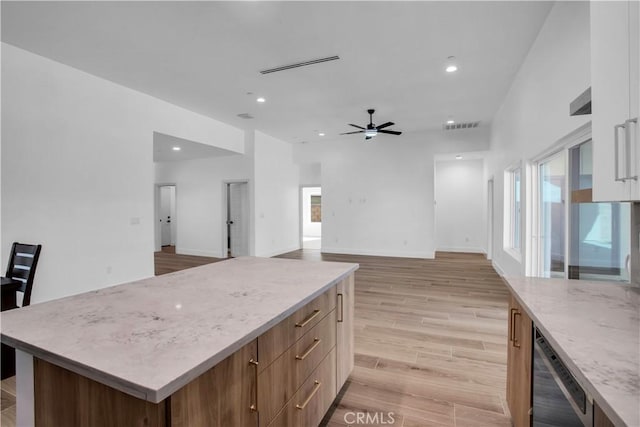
(629, 144)
(309, 318)
(616, 153)
(316, 342)
(308, 399)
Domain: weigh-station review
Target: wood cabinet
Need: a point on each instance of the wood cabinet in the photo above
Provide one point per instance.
(519, 359)
(615, 89)
(599, 417)
(225, 395)
(345, 338)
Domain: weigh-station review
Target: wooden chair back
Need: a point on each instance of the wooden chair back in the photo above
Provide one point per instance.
(22, 267)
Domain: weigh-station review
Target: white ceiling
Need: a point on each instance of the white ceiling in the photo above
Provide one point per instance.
(163, 149)
(206, 56)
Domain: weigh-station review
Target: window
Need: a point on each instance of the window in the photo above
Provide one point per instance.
(316, 208)
(513, 216)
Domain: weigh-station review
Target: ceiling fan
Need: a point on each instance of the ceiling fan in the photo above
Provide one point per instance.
(372, 130)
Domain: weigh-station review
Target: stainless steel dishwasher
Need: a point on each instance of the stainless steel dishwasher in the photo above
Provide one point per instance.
(558, 399)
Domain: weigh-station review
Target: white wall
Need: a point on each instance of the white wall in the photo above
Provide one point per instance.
(200, 200)
(535, 113)
(310, 174)
(460, 206)
(377, 198)
(77, 171)
(276, 196)
(310, 229)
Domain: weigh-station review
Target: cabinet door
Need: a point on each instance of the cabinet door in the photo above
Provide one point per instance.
(519, 365)
(225, 395)
(345, 339)
(610, 96)
(634, 92)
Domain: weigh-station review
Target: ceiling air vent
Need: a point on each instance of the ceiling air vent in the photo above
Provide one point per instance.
(245, 116)
(300, 64)
(456, 126)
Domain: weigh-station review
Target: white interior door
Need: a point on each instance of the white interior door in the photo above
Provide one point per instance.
(167, 208)
(238, 218)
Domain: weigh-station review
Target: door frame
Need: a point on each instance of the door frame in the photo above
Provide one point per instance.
(490, 215)
(225, 249)
(157, 230)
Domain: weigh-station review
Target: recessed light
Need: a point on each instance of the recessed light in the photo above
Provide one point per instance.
(321, 134)
(177, 148)
(451, 66)
(450, 122)
(261, 100)
(458, 157)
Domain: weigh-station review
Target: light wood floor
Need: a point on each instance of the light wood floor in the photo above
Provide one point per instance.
(167, 261)
(430, 341)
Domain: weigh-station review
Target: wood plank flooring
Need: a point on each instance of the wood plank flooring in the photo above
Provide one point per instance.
(167, 261)
(430, 340)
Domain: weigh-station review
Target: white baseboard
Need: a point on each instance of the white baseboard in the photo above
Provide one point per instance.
(396, 254)
(497, 268)
(459, 249)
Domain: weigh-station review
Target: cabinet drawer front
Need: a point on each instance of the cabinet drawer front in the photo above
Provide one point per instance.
(313, 398)
(280, 381)
(278, 339)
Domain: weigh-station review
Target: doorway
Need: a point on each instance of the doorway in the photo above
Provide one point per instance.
(237, 219)
(311, 229)
(490, 219)
(166, 232)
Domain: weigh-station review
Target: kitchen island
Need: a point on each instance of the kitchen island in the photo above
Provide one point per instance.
(204, 346)
(594, 327)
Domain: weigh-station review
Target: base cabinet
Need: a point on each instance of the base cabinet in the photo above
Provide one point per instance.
(345, 338)
(519, 358)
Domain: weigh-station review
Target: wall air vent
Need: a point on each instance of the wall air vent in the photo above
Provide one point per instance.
(245, 116)
(300, 64)
(456, 126)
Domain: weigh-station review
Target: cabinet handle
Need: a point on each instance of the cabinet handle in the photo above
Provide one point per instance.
(309, 318)
(627, 138)
(516, 341)
(254, 406)
(313, 392)
(616, 153)
(513, 326)
(316, 342)
(341, 301)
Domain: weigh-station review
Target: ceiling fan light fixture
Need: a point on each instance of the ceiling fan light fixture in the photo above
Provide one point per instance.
(371, 132)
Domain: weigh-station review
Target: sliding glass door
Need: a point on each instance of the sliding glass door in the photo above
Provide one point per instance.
(552, 183)
(579, 239)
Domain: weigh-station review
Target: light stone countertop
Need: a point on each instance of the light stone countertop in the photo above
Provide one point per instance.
(151, 337)
(595, 329)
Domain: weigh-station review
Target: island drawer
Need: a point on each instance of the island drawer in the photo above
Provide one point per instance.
(280, 380)
(278, 339)
(313, 398)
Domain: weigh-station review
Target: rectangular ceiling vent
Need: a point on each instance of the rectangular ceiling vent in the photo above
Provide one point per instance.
(245, 116)
(456, 126)
(300, 64)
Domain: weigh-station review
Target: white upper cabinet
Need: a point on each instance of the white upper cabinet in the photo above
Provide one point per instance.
(615, 93)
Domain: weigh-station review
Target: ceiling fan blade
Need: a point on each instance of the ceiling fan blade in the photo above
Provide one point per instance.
(356, 126)
(390, 132)
(349, 133)
(368, 137)
(386, 125)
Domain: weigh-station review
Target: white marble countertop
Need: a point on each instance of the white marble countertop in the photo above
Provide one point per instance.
(151, 337)
(595, 329)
